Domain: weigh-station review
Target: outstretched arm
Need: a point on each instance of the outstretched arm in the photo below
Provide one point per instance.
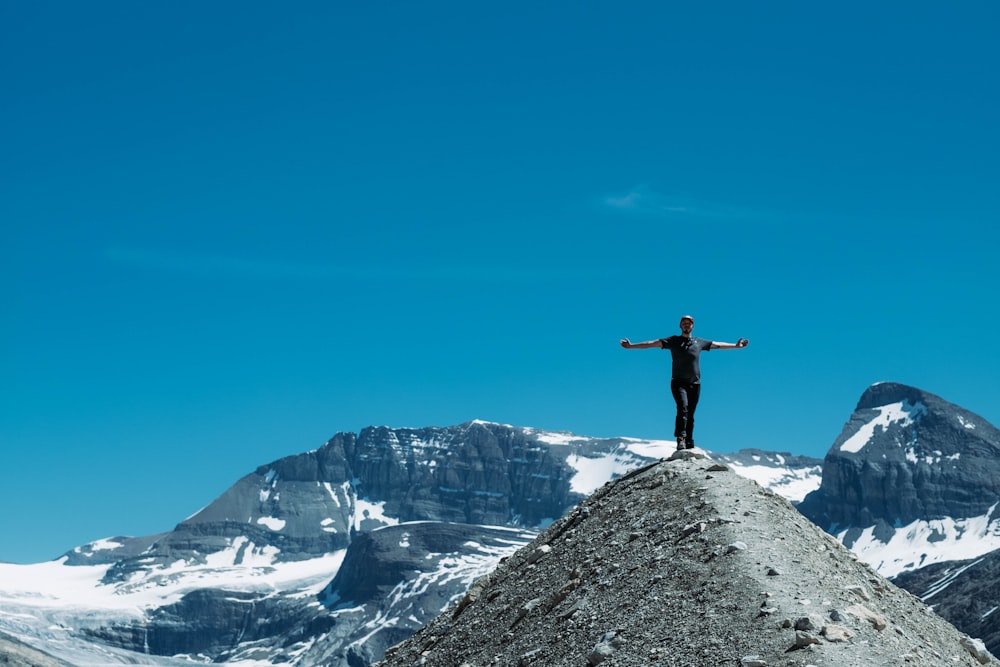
(742, 342)
(629, 345)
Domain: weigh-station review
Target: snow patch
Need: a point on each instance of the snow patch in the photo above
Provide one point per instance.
(933, 459)
(271, 522)
(650, 449)
(345, 490)
(793, 484)
(107, 544)
(947, 580)
(551, 438)
(366, 509)
(53, 587)
(902, 413)
(923, 543)
(592, 473)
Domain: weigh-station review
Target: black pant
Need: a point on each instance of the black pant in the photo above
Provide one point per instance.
(686, 397)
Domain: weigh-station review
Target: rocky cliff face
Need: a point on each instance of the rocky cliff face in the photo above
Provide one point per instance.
(907, 459)
(686, 564)
(310, 504)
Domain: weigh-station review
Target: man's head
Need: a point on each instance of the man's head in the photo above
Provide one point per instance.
(687, 324)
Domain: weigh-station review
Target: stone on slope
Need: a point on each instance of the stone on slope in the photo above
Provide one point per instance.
(622, 565)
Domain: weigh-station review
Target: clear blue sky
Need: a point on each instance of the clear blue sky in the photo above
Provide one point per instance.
(233, 229)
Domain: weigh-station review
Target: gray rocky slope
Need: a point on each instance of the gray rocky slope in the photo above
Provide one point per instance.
(14, 653)
(685, 564)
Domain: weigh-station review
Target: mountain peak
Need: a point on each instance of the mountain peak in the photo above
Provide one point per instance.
(881, 394)
(911, 480)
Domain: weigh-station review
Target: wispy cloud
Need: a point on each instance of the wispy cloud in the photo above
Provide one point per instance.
(640, 200)
(628, 202)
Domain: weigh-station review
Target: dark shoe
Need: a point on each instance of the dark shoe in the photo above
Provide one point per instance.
(690, 445)
(680, 444)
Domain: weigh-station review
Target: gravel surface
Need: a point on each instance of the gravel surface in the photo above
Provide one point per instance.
(686, 564)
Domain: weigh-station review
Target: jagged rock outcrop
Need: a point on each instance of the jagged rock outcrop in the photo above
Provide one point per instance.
(684, 563)
(482, 473)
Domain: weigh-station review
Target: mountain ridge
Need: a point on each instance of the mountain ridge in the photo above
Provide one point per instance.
(684, 563)
(256, 565)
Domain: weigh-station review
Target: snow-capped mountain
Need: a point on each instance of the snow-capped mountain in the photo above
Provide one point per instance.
(912, 480)
(323, 556)
(912, 486)
(330, 556)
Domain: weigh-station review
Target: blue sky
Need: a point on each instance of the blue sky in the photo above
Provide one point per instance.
(231, 230)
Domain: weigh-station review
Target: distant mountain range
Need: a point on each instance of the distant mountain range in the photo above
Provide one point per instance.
(331, 556)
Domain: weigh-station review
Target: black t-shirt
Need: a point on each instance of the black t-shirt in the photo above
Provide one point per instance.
(685, 353)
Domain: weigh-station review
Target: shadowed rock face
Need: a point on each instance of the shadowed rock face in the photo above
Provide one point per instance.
(966, 593)
(905, 455)
(310, 504)
(686, 564)
(482, 474)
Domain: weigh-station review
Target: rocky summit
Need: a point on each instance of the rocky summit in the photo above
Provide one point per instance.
(683, 563)
(906, 454)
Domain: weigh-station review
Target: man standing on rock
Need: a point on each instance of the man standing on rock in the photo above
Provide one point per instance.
(685, 380)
